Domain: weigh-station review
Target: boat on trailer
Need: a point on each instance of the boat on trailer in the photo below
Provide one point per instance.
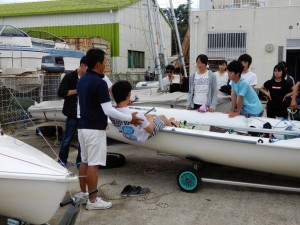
(32, 183)
(274, 150)
(244, 142)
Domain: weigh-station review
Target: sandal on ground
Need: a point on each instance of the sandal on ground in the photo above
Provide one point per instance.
(127, 189)
(138, 191)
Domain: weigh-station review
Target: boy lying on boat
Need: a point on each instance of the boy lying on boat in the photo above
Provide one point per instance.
(151, 124)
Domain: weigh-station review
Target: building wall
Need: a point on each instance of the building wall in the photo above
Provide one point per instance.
(126, 29)
(265, 25)
(135, 35)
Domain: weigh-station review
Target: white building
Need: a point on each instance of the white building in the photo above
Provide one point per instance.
(268, 30)
(123, 23)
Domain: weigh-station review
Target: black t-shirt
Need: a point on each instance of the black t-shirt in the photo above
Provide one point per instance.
(277, 92)
(92, 92)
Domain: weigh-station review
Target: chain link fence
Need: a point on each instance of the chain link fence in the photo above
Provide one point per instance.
(18, 93)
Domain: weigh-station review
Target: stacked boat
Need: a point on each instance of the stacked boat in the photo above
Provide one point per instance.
(19, 50)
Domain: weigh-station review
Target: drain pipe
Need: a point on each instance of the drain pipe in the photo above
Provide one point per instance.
(196, 24)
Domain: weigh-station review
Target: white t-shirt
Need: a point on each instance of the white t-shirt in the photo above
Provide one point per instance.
(201, 84)
(222, 79)
(250, 78)
(130, 131)
(106, 79)
(166, 81)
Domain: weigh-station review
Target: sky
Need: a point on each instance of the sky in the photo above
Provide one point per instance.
(162, 3)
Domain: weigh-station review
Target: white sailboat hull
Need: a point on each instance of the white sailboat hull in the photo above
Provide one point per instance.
(281, 157)
(48, 110)
(52, 110)
(151, 97)
(11, 58)
(18, 50)
(32, 183)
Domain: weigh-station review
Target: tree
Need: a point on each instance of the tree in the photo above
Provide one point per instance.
(182, 18)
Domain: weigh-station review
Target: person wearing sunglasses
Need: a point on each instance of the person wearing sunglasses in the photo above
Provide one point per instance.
(171, 82)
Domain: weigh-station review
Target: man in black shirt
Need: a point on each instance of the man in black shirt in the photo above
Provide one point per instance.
(67, 91)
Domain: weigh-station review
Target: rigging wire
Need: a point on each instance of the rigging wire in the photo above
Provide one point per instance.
(34, 125)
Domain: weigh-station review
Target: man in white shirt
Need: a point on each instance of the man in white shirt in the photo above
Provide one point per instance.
(249, 76)
(171, 82)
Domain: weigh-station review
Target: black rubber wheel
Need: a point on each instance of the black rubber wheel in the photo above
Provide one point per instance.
(188, 180)
(49, 131)
(113, 160)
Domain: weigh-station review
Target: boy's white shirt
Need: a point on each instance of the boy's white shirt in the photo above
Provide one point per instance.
(139, 132)
(250, 78)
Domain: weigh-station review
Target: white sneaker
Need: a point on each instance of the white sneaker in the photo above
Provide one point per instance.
(82, 197)
(98, 204)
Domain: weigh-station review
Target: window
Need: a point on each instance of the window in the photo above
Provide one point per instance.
(10, 31)
(226, 45)
(136, 59)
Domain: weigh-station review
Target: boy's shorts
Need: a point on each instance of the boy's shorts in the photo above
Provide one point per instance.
(159, 124)
(93, 146)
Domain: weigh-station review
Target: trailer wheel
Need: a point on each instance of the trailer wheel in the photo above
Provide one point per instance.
(188, 180)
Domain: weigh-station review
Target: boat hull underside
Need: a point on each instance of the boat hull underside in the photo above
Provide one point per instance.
(32, 201)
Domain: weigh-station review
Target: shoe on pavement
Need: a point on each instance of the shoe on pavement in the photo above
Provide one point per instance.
(98, 204)
(82, 197)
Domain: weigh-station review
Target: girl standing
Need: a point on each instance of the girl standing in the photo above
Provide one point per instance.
(278, 92)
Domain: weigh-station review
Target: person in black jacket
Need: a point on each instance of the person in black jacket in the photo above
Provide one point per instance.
(67, 91)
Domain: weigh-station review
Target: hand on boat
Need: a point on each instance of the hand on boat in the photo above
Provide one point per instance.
(211, 110)
(136, 120)
(233, 114)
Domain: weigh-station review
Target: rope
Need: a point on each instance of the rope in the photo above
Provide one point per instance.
(32, 164)
(34, 125)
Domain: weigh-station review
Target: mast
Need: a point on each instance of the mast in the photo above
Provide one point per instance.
(155, 44)
(178, 39)
(164, 51)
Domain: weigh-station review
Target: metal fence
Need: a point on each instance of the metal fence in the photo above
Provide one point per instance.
(17, 93)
